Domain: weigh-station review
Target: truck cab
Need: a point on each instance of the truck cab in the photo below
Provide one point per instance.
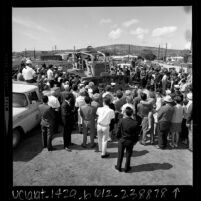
(26, 114)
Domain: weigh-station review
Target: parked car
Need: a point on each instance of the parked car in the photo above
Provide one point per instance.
(26, 114)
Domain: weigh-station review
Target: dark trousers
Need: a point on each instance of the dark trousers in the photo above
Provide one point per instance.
(47, 133)
(184, 131)
(57, 121)
(67, 135)
(122, 145)
(163, 130)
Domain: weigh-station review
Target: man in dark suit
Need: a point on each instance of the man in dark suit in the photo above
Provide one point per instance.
(128, 136)
(47, 123)
(67, 113)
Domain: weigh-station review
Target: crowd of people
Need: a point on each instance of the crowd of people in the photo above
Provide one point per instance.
(155, 108)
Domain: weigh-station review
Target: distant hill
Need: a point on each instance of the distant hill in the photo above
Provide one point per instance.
(123, 49)
(117, 49)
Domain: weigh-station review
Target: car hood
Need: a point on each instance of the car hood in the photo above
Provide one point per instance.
(18, 111)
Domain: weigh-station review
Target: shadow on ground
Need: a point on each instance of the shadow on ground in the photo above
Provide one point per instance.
(151, 167)
(30, 146)
(74, 147)
(135, 154)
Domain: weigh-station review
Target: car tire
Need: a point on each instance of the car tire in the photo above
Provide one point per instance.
(16, 137)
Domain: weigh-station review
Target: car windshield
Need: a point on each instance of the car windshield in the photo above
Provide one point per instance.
(19, 100)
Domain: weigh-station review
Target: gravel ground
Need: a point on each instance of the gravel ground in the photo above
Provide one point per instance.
(33, 166)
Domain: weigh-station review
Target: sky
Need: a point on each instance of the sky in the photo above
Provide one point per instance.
(79, 27)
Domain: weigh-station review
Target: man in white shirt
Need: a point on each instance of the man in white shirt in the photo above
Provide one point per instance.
(54, 103)
(50, 73)
(105, 115)
(28, 72)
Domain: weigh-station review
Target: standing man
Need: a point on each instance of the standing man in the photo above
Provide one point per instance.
(28, 73)
(67, 113)
(145, 112)
(105, 115)
(50, 75)
(164, 121)
(164, 82)
(128, 136)
(88, 114)
(55, 104)
(47, 122)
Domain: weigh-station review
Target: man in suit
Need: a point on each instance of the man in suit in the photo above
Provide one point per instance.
(88, 114)
(67, 113)
(128, 136)
(165, 114)
(47, 123)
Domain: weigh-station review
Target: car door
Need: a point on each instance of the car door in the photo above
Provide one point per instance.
(34, 114)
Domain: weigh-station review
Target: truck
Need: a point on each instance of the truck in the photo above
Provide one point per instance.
(26, 114)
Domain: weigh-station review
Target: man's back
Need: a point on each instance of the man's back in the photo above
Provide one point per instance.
(127, 129)
(95, 104)
(143, 110)
(105, 115)
(43, 108)
(119, 103)
(88, 112)
(47, 114)
(165, 113)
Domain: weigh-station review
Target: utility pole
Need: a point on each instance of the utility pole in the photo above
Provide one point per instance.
(25, 53)
(165, 52)
(74, 56)
(158, 52)
(34, 54)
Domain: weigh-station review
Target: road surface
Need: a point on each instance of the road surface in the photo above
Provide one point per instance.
(33, 165)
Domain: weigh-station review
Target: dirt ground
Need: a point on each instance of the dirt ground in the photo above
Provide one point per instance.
(33, 165)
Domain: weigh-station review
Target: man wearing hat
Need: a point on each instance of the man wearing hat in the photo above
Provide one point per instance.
(165, 114)
(28, 73)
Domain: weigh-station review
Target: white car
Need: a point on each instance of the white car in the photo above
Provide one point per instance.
(26, 114)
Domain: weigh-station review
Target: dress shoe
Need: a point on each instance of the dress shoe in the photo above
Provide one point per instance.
(52, 149)
(92, 146)
(105, 156)
(119, 169)
(127, 170)
(143, 143)
(84, 146)
(67, 149)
